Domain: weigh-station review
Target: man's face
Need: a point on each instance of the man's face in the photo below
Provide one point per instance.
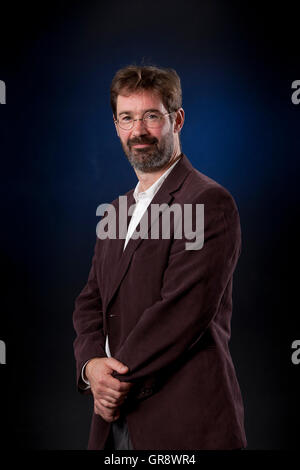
(147, 149)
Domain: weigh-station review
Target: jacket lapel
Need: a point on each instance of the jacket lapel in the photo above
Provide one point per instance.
(121, 258)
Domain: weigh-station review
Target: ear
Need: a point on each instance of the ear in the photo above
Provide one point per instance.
(116, 125)
(179, 120)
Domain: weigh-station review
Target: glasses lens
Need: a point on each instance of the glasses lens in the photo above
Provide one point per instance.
(153, 119)
(150, 119)
(125, 122)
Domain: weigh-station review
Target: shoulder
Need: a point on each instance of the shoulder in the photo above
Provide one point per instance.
(200, 188)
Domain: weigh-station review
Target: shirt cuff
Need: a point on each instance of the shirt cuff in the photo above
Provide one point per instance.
(83, 376)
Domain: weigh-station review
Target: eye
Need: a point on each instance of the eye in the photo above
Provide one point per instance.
(125, 119)
(152, 116)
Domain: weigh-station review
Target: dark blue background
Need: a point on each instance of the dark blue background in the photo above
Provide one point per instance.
(61, 158)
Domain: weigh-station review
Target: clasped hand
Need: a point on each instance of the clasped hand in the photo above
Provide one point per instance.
(108, 392)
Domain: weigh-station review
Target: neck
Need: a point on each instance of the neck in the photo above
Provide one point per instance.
(147, 179)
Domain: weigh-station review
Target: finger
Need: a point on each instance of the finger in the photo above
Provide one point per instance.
(117, 385)
(108, 385)
(117, 365)
(101, 391)
(104, 405)
(112, 400)
(109, 382)
(107, 404)
(106, 413)
(108, 394)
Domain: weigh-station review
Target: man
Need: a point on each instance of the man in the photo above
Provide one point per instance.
(153, 321)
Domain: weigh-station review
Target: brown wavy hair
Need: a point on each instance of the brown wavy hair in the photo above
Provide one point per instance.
(133, 78)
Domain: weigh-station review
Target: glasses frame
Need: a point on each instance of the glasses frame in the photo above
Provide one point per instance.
(143, 119)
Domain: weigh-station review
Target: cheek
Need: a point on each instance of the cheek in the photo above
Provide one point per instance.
(166, 130)
(158, 133)
(124, 136)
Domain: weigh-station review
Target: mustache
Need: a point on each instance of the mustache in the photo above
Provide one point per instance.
(141, 140)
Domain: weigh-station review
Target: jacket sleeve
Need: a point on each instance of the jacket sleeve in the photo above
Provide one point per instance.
(192, 288)
(88, 324)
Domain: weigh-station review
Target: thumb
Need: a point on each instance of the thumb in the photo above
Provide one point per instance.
(117, 365)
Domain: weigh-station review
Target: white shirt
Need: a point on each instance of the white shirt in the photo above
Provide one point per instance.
(142, 199)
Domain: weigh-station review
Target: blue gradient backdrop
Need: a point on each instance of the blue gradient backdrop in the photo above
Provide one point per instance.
(61, 158)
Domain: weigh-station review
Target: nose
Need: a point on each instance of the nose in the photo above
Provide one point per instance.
(139, 127)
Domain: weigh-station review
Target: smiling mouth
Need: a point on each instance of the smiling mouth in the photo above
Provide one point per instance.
(141, 145)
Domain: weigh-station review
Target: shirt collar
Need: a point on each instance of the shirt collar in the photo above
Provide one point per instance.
(150, 192)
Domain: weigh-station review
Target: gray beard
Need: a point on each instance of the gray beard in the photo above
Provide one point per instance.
(151, 160)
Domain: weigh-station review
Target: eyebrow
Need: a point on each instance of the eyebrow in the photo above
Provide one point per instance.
(146, 111)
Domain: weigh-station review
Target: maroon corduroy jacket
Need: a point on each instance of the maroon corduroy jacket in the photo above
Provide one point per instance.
(167, 313)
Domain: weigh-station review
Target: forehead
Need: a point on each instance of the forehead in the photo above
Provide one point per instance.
(139, 102)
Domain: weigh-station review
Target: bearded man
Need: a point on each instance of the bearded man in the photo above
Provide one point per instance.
(153, 321)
